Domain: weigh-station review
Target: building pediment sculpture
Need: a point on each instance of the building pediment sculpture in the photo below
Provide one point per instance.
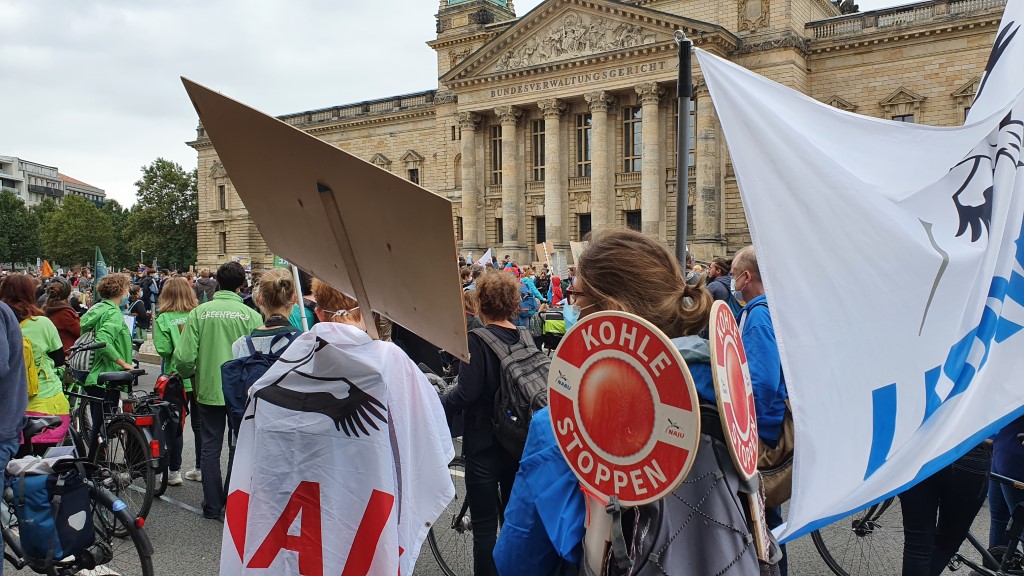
(573, 35)
(217, 170)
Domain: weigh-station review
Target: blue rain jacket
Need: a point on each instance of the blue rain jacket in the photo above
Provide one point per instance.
(766, 376)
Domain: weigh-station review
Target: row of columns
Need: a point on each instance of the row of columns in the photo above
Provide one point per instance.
(602, 180)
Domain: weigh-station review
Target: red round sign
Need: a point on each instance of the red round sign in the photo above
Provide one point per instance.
(624, 408)
(733, 388)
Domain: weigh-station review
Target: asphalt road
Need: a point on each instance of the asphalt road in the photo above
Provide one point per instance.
(186, 544)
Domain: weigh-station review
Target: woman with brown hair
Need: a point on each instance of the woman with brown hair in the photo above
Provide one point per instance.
(58, 309)
(623, 270)
(490, 468)
(176, 300)
(45, 393)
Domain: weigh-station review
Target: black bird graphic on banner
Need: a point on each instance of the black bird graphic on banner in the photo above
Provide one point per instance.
(351, 414)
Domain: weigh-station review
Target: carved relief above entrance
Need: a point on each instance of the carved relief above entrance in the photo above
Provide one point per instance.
(753, 14)
(573, 35)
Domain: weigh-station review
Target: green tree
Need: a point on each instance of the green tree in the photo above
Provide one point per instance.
(163, 220)
(71, 233)
(119, 255)
(18, 230)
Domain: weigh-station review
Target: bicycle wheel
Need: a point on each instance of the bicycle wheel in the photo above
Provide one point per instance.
(867, 542)
(451, 537)
(125, 455)
(112, 552)
(81, 421)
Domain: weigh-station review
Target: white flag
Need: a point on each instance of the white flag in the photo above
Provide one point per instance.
(892, 257)
(342, 461)
(485, 258)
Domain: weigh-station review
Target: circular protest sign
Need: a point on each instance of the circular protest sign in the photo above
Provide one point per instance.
(733, 389)
(624, 408)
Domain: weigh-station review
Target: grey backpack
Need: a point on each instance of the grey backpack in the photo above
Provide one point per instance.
(701, 529)
(523, 389)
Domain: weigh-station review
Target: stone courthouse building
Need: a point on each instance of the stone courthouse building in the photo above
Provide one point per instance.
(546, 126)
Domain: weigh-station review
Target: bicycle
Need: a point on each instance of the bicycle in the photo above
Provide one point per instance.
(128, 555)
(121, 441)
(1008, 559)
(451, 537)
(871, 542)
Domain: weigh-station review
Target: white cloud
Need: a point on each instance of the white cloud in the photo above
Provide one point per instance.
(92, 87)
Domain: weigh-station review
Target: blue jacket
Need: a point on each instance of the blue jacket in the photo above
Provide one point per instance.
(1007, 451)
(545, 515)
(544, 519)
(528, 282)
(13, 378)
(766, 375)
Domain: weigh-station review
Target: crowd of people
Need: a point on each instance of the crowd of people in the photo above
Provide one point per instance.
(200, 323)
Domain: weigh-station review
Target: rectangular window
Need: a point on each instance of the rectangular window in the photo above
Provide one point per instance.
(584, 122)
(538, 226)
(689, 221)
(633, 220)
(584, 222)
(453, 132)
(414, 175)
(222, 242)
(632, 138)
(967, 110)
(222, 198)
(499, 230)
(538, 150)
(458, 228)
(908, 118)
(495, 154)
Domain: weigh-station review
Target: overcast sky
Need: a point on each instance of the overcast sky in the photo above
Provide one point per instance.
(91, 86)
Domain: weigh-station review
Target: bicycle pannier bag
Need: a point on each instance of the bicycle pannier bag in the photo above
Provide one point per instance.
(523, 389)
(53, 508)
(81, 363)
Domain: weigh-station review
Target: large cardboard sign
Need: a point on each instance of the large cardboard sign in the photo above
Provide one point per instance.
(577, 249)
(362, 229)
(624, 408)
(733, 389)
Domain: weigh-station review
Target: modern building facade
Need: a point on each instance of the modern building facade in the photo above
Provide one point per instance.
(34, 182)
(562, 121)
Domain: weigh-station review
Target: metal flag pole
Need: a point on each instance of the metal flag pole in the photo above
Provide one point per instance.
(684, 92)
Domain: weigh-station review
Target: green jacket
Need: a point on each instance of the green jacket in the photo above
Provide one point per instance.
(108, 322)
(167, 330)
(206, 342)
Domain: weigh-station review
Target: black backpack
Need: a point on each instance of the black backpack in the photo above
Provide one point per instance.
(523, 389)
(238, 375)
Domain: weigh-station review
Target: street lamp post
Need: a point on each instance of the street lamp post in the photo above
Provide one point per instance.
(142, 260)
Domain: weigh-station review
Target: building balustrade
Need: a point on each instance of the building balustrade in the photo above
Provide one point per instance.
(625, 178)
(900, 16)
(46, 190)
(579, 182)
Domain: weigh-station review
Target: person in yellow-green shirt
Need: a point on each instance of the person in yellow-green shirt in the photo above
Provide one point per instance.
(176, 300)
(18, 292)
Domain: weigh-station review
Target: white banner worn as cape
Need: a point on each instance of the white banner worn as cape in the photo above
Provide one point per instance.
(342, 462)
(892, 258)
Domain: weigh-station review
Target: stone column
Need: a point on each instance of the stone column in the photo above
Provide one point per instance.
(556, 194)
(707, 233)
(602, 175)
(472, 204)
(652, 201)
(512, 198)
